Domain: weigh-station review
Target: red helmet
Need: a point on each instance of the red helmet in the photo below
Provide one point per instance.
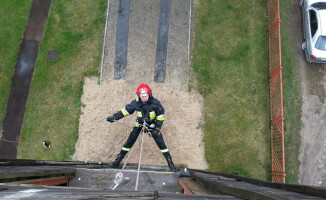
(144, 89)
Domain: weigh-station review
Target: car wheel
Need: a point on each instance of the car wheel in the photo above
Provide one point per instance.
(304, 45)
(301, 3)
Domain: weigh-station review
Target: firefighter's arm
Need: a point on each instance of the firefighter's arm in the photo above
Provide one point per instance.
(125, 111)
(159, 117)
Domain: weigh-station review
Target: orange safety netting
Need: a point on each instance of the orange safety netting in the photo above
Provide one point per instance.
(276, 93)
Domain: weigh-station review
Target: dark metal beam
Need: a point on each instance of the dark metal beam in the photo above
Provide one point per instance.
(162, 41)
(121, 49)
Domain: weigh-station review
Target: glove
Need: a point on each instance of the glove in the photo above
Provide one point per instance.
(110, 119)
(156, 132)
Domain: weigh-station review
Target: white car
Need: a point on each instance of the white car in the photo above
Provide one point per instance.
(314, 29)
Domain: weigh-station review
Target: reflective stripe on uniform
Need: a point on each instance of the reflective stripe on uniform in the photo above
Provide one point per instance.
(139, 114)
(124, 112)
(136, 124)
(152, 126)
(164, 150)
(152, 115)
(125, 149)
(160, 118)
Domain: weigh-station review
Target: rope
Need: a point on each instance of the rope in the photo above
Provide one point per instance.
(124, 165)
(140, 125)
(141, 150)
(143, 130)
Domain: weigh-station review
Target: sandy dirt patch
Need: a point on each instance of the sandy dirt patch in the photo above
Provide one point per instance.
(102, 141)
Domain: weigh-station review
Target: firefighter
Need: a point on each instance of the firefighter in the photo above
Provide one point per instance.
(150, 110)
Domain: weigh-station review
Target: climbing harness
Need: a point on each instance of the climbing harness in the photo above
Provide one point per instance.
(119, 175)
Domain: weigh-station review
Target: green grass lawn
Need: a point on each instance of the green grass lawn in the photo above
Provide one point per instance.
(291, 96)
(75, 29)
(230, 57)
(14, 16)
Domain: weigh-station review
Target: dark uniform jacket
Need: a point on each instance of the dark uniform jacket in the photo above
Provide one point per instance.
(152, 112)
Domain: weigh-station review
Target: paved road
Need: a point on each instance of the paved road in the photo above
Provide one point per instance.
(313, 116)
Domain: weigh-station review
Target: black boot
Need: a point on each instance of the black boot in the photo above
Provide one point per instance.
(170, 163)
(117, 161)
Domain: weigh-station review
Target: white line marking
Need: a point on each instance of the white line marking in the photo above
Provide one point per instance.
(104, 41)
(23, 194)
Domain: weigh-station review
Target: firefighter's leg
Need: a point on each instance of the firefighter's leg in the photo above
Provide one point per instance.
(161, 144)
(126, 147)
